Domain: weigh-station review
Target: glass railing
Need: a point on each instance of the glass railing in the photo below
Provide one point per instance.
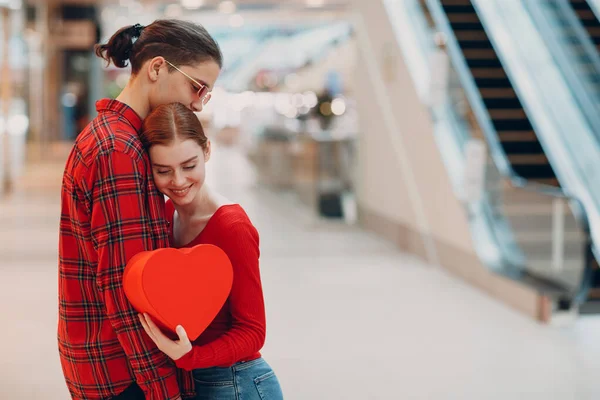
(543, 232)
(562, 127)
(532, 233)
(573, 51)
(416, 39)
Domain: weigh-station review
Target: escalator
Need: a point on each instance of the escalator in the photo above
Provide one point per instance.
(515, 132)
(544, 230)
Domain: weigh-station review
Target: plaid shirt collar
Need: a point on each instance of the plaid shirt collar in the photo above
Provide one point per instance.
(120, 108)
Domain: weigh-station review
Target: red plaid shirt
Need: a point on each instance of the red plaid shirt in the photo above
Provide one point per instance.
(111, 210)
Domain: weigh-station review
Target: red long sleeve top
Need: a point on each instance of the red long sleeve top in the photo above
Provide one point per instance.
(238, 331)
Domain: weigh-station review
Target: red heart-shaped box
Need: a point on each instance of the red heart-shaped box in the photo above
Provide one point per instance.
(186, 287)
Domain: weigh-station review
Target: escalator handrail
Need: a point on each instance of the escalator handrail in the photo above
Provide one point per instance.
(595, 6)
(582, 95)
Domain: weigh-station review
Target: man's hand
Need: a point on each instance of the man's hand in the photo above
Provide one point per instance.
(174, 349)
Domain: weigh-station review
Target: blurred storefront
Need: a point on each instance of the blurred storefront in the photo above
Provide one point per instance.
(46, 83)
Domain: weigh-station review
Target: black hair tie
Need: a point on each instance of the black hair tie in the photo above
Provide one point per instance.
(136, 30)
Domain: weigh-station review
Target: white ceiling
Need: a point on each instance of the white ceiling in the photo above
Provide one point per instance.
(207, 3)
(253, 12)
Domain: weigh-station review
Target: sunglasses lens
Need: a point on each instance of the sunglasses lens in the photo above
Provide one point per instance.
(206, 98)
(202, 92)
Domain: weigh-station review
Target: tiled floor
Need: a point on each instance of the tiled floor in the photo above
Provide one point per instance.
(349, 317)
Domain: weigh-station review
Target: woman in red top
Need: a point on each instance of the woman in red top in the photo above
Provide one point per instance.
(225, 359)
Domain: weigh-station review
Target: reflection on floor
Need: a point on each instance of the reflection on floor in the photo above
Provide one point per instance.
(349, 316)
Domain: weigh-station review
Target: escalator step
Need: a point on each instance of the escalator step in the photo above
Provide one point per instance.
(529, 147)
(462, 17)
(480, 54)
(484, 83)
(527, 159)
(534, 171)
(512, 125)
(586, 15)
(483, 63)
(509, 102)
(471, 36)
(594, 31)
(497, 93)
(466, 26)
(517, 136)
(475, 44)
(456, 2)
(451, 7)
(548, 181)
(498, 114)
(490, 73)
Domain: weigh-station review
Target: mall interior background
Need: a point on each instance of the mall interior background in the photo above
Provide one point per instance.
(428, 133)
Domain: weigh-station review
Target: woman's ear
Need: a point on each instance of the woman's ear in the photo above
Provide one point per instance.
(207, 151)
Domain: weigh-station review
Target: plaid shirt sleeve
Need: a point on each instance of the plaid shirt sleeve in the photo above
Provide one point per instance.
(121, 228)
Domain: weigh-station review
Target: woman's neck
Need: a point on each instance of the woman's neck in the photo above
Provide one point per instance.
(136, 97)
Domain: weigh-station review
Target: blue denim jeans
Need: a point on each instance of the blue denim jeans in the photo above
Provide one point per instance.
(251, 380)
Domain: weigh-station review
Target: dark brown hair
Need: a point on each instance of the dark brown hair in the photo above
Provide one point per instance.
(180, 42)
(170, 121)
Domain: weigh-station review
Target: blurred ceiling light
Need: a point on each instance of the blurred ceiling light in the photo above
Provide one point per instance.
(338, 106)
(249, 97)
(298, 100)
(265, 100)
(69, 100)
(15, 4)
(192, 4)
(282, 103)
(237, 103)
(315, 3)
(292, 81)
(325, 108)
(17, 124)
(227, 7)
(310, 99)
(236, 20)
(291, 113)
(304, 110)
(271, 80)
(173, 11)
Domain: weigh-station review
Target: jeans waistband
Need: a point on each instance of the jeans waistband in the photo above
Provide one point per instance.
(225, 374)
